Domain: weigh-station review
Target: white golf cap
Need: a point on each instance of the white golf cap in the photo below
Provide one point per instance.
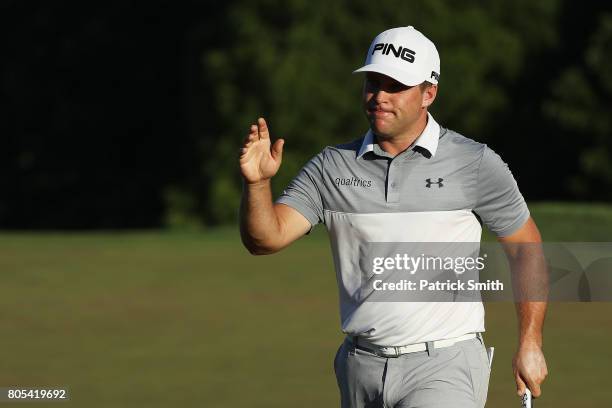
(405, 55)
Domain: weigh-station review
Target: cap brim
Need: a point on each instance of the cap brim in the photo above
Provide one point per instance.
(397, 74)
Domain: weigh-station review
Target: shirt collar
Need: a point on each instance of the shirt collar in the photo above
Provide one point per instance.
(427, 140)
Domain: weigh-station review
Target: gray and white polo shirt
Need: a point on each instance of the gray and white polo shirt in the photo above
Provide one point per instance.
(435, 191)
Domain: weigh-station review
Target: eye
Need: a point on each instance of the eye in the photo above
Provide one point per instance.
(371, 84)
(397, 87)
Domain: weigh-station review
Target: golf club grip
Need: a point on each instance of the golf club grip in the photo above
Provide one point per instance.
(527, 400)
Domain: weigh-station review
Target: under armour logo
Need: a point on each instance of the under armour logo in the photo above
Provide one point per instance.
(439, 182)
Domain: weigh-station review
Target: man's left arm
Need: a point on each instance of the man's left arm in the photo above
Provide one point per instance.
(530, 284)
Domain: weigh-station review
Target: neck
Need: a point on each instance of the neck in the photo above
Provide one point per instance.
(394, 145)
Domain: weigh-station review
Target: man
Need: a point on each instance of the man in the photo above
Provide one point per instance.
(407, 180)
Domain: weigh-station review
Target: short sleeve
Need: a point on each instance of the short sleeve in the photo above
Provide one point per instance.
(304, 192)
(500, 204)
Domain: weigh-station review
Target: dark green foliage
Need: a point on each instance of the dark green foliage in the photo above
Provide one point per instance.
(292, 61)
(131, 115)
(580, 102)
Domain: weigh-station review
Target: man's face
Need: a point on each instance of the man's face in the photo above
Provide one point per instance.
(391, 107)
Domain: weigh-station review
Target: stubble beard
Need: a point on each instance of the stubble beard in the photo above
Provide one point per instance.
(388, 132)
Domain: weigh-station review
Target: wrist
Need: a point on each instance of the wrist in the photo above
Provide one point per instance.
(530, 342)
(257, 184)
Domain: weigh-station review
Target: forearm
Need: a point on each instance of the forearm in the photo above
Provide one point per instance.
(529, 273)
(531, 321)
(530, 285)
(259, 224)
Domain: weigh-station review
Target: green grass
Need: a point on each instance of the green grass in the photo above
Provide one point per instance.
(154, 319)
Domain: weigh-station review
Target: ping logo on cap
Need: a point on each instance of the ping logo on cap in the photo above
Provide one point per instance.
(402, 52)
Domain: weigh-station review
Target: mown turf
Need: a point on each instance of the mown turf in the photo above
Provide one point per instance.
(158, 319)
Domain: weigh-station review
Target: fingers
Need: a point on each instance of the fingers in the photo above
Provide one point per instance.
(252, 136)
(534, 384)
(263, 129)
(520, 385)
(535, 389)
(258, 132)
(277, 150)
(244, 155)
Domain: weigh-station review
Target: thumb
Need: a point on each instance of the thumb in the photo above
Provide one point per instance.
(520, 385)
(277, 149)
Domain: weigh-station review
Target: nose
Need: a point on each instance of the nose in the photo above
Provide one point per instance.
(379, 96)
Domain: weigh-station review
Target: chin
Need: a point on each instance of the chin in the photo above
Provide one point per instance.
(381, 126)
(381, 132)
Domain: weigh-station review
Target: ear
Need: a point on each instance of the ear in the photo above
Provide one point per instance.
(429, 95)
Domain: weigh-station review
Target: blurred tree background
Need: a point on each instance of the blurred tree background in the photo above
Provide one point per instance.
(130, 114)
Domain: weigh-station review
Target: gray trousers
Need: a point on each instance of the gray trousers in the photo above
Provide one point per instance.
(449, 377)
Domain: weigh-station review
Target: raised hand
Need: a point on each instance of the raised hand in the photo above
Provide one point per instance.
(259, 158)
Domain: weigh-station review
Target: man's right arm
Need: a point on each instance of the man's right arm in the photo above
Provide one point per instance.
(265, 227)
